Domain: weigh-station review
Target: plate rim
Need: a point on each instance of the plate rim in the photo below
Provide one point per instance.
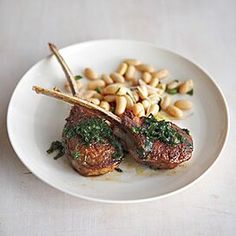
(104, 200)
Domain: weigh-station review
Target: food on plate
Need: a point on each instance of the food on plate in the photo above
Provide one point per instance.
(118, 113)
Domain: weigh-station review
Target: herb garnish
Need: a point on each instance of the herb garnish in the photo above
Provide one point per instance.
(78, 77)
(157, 130)
(94, 130)
(57, 146)
(98, 90)
(76, 155)
(190, 92)
(172, 91)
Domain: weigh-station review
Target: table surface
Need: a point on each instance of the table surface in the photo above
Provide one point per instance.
(204, 31)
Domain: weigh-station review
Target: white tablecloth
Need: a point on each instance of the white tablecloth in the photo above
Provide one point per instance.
(204, 31)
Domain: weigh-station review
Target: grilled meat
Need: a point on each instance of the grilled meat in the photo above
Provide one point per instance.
(167, 152)
(90, 144)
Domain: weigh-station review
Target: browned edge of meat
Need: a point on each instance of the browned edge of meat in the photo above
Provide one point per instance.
(94, 159)
(162, 155)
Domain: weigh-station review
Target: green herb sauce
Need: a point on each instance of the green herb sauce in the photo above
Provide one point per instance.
(157, 130)
(76, 155)
(94, 130)
(57, 146)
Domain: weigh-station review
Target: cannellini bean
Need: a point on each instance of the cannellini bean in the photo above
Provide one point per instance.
(117, 78)
(153, 109)
(161, 86)
(146, 104)
(95, 101)
(97, 95)
(122, 68)
(115, 89)
(174, 111)
(145, 68)
(173, 84)
(134, 82)
(88, 94)
(90, 74)
(107, 79)
(138, 110)
(184, 104)
(142, 91)
(121, 103)
(96, 84)
(109, 98)
(146, 77)
(105, 105)
(186, 87)
(129, 75)
(154, 82)
(165, 102)
(136, 96)
(132, 62)
(161, 74)
(154, 98)
(130, 101)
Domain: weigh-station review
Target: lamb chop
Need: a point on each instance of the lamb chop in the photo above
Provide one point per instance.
(160, 145)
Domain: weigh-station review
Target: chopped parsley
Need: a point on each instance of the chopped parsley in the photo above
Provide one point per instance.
(57, 146)
(76, 155)
(94, 130)
(172, 91)
(157, 130)
(190, 92)
(78, 77)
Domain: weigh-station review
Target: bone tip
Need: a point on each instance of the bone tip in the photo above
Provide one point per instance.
(52, 46)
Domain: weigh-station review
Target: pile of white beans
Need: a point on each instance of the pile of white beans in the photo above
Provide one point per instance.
(138, 87)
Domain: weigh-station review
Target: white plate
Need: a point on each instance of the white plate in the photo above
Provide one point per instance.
(34, 121)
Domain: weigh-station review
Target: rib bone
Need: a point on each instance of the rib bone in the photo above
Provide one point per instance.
(76, 101)
(69, 75)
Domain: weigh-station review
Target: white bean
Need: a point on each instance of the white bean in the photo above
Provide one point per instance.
(174, 111)
(146, 77)
(129, 75)
(153, 109)
(154, 82)
(146, 104)
(186, 87)
(173, 84)
(142, 91)
(132, 62)
(161, 74)
(145, 68)
(96, 84)
(115, 89)
(109, 98)
(107, 79)
(122, 68)
(138, 110)
(105, 105)
(117, 78)
(165, 102)
(95, 101)
(130, 101)
(90, 74)
(183, 104)
(121, 103)
(88, 94)
(161, 86)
